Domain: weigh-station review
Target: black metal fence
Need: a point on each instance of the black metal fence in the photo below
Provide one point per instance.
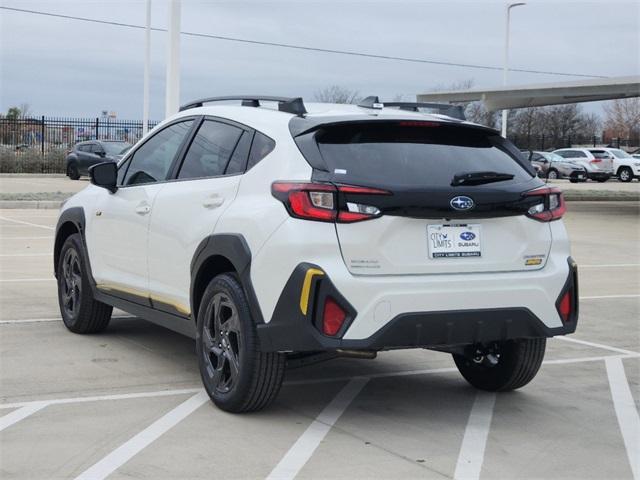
(39, 145)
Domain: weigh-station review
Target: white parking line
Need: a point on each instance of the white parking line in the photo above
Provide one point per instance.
(27, 223)
(23, 412)
(50, 319)
(27, 238)
(596, 345)
(598, 297)
(611, 265)
(47, 254)
(471, 454)
(129, 449)
(303, 449)
(626, 411)
(19, 280)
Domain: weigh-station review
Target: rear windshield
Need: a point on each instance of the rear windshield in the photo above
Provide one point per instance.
(415, 153)
(600, 154)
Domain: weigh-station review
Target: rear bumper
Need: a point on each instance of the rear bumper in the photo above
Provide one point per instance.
(599, 175)
(292, 330)
(578, 175)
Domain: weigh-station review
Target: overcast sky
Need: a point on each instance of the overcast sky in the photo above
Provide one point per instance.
(71, 68)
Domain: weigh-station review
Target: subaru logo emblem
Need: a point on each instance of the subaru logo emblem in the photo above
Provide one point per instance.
(461, 203)
(467, 236)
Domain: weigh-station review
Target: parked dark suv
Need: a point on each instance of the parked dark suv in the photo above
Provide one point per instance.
(85, 154)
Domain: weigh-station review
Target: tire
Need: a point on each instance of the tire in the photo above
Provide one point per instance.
(574, 180)
(602, 179)
(80, 312)
(552, 174)
(237, 376)
(625, 174)
(72, 171)
(518, 363)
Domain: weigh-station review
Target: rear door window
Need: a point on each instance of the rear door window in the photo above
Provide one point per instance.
(260, 148)
(420, 154)
(211, 150)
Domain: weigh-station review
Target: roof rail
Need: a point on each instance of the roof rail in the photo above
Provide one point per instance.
(454, 111)
(293, 105)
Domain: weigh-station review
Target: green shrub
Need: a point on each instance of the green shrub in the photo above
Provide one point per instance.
(32, 161)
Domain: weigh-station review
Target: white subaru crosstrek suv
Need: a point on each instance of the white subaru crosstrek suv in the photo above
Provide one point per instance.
(281, 236)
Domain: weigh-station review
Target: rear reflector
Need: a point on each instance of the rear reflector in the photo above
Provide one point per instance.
(551, 204)
(564, 308)
(333, 317)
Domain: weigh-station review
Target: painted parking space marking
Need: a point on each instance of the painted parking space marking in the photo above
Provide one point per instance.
(626, 412)
(611, 265)
(18, 321)
(599, 297)
(303, 448)
(26, 280)
(596, 345)
(138, 442)
(474, 442)
(28, 238)
(46, 254)
(20, 414)
(27, 223)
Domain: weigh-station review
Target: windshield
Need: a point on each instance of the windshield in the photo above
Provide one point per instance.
(115, 148)
(620, 153)
(553, 157)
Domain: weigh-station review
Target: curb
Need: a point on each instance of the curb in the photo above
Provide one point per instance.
(31, 204)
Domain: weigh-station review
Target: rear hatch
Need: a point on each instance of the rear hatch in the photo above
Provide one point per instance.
(454, 197)
(603, 160)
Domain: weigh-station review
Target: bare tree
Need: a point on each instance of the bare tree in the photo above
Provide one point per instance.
(337, 94)
(623, 117)
(590, 125)
(25, 110)
(477, 113)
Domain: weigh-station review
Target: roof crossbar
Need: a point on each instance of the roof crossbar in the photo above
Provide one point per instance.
(293, 105)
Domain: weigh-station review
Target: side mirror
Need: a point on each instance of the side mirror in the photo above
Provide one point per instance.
(105, 175)
(101, 153)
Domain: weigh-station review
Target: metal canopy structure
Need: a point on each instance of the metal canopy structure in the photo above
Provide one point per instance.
(542, 94)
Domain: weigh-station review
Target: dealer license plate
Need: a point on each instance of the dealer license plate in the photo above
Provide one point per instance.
(454, 240)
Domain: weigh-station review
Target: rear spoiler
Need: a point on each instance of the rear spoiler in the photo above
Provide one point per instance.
(453, 111)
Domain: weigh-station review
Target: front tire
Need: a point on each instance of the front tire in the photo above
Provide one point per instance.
(81, 313)
(625, 174)
(552, 174)
(236, 374)
(518, 362)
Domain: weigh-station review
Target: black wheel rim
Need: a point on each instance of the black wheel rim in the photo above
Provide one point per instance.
(221, 340)
(71, 282)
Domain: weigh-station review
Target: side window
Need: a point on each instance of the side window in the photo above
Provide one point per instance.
(96, 148)
(260, 148)
(152, 161)
(579, 154)
(84, 148)
(238, 161)
(210, 150)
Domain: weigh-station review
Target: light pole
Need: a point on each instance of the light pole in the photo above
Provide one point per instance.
(172, 92)
(147, 70)
(505, 70)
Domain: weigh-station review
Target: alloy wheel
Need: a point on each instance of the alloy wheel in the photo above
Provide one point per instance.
(71, 282)
(221, 339)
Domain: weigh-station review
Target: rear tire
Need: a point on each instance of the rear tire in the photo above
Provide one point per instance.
(72, 171)
(518, 362)
(236, 374)
(80, 312)
(625, 174)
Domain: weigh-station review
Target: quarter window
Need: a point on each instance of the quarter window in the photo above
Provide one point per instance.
(152, 161)
(260, 148)
(210, 151)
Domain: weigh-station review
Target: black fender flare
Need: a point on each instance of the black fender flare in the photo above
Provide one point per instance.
(75, 216)
(234, 248)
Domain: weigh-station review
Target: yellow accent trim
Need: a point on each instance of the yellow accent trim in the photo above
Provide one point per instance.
(306, 288)
(132, 291)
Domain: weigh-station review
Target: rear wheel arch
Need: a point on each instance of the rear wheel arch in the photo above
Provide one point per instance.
(217, 254)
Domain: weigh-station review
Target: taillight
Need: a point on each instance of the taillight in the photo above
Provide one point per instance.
(550, 205)
(325, 202)
(567, 303)
(596, 160)
(564, 307)
(333, 317)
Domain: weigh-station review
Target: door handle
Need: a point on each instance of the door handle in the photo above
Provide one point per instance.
(213, 201)
(143, 209)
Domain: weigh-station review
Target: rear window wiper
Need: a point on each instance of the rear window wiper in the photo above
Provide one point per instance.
(479, 178)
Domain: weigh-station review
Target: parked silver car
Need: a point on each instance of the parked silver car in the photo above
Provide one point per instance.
(553, 166)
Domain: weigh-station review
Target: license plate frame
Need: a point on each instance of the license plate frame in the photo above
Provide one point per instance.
(454, 240)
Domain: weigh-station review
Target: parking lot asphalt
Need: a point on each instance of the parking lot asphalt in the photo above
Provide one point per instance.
(128, 403)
